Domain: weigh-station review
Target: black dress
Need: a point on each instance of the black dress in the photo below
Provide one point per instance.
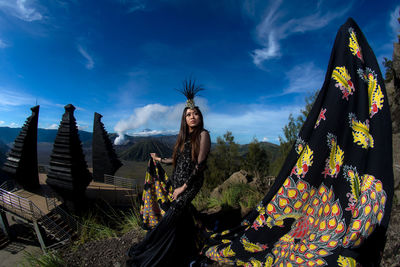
(173, 241)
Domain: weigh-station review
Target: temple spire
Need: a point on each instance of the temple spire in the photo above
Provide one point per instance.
(68, 173)
(21, 163)
(105, 160)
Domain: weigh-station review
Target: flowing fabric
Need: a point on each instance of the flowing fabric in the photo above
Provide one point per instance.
(157, 195)
(331, 202)
(172, 240)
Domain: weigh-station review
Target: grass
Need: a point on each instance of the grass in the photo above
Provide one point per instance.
(105, 222)
(93, 229)
(131, 220)
(235, 196)
(201, 200)
(48, 259)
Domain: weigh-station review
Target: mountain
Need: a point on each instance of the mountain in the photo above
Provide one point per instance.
(8, 135)
(140, 151)
(135, 148)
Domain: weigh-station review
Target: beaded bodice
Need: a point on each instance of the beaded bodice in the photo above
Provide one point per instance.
(184, 166)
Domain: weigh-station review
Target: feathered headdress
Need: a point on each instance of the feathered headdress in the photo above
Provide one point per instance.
(190, 89)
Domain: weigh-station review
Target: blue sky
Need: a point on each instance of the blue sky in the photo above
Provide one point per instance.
(124, 59)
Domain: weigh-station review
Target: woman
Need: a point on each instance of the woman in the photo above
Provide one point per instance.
(172, 242)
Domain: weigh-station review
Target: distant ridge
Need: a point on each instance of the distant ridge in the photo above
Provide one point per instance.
(141, 150)
(160, 144)
(8, 135)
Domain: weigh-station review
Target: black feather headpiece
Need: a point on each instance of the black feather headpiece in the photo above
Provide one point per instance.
(190, 90)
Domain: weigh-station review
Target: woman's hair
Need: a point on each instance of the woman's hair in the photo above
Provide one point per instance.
(184, 134)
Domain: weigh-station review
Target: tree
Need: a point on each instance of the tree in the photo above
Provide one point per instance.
(222, 161)
(291, 132)
(388, 64)
(256, 160)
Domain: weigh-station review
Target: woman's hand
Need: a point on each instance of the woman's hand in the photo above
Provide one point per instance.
(155, 157)
(178, 191)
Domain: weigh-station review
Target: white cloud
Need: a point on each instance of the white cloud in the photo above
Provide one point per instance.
(13, 125)
(3, 44)
(268, 52)
(2, 122)
(394, 23)
(154, 132)
(265, 139)
(304, 78)
(142, 117)
(277, 26)
(154, 116)
(11, 97)
(14, 98)
(82, 127)
(133, 5)
(20, 9)
(52, 127)
(90, 63)
(261, 122)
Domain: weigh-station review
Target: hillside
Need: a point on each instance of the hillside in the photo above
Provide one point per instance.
(140, 150)
(271, 148)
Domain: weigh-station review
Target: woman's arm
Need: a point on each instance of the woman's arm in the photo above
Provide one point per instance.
(162, 160)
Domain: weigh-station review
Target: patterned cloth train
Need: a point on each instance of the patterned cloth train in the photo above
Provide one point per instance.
(157, 195)
(331, 202)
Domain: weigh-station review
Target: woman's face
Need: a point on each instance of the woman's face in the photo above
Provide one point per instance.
(192, 118)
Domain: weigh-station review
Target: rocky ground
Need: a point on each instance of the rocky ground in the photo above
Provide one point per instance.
(391, 254)
(109, 252)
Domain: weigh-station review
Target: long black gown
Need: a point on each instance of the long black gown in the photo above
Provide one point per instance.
(173, 241)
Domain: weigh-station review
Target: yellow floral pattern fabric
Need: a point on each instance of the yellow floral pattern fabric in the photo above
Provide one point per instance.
(331, 202)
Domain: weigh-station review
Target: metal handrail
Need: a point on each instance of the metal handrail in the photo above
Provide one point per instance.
(120, 181)
(51, 200)
(74, 224)
(8, 185)
(28, 209)
(15, 202)
(48, 223)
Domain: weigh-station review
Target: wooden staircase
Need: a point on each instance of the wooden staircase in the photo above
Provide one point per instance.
(56, 227)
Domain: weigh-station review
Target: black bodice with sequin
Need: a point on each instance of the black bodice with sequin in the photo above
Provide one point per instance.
(182, 173)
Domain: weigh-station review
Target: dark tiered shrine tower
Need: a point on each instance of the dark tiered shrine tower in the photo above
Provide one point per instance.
(105, 160)
(21, 163)
(68, 173)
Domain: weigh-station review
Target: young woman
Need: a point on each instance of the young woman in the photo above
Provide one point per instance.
(172, 242)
